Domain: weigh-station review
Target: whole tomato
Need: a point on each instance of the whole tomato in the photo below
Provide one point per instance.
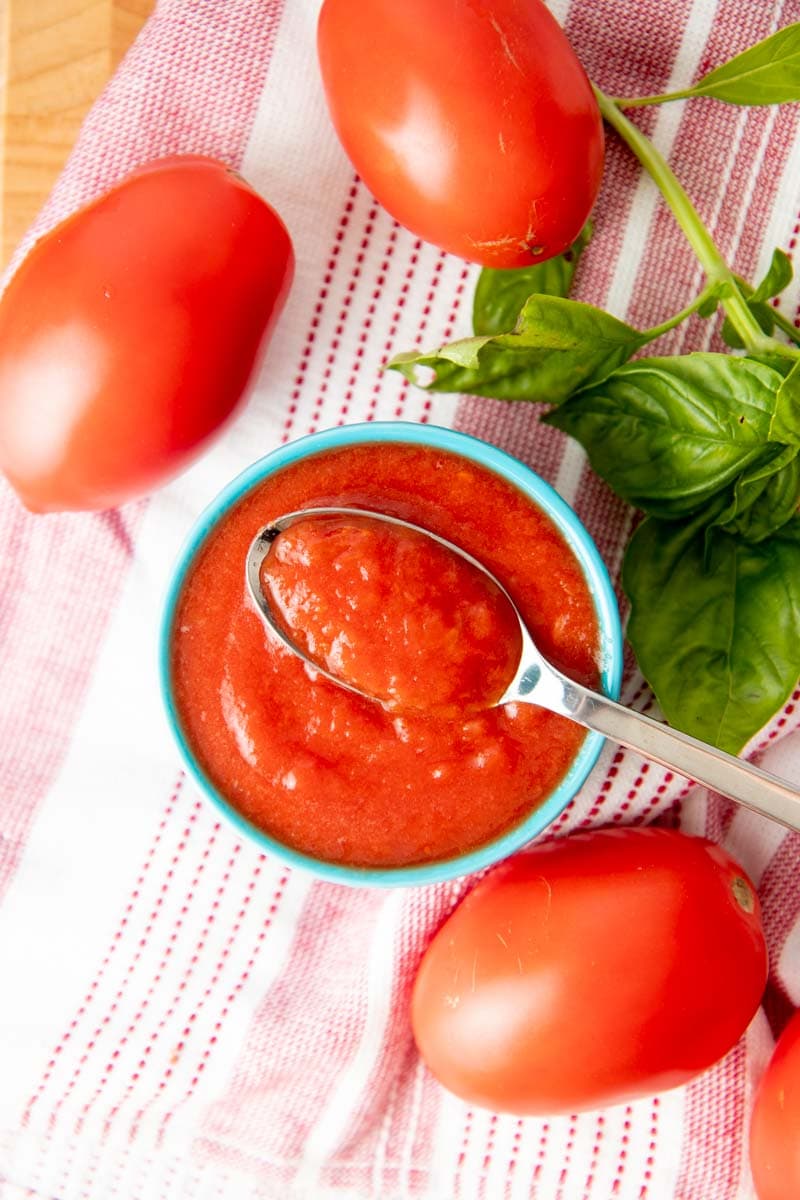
(591, 970)
(471, 121)
(775, 1124)
(129, 333)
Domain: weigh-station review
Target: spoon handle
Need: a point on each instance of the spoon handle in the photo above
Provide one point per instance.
(756, 789)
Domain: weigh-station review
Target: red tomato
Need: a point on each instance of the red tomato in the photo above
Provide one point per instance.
(129, 333)
(471, 121)
(775, 1124)
(591, 970)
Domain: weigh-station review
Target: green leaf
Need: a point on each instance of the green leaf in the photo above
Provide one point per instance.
(778, 276)
(717, 634)
(783, 363)
(557, 346)
(767, 73)
(669, 433)
(711, 304)
(764, 498)
(785, 424)
(763, 313)
(776, 505)
(500, 295)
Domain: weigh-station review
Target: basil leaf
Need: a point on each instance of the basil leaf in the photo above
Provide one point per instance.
(775, 506)
(765, 497)
(785, 425)
(717, 633)
(557, 346)
(782, 363)
(710, 305)
(778, 276)
(767, 73)
(500, 295)
(668, 433)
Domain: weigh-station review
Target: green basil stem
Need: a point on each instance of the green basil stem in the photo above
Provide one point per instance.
(786, 325)
(710, 290)
(708, 255)
(642, 101)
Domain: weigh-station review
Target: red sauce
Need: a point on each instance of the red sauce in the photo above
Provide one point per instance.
(336, 776)
(394, 613)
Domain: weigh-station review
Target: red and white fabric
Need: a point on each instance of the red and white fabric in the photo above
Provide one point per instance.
(181, 1016)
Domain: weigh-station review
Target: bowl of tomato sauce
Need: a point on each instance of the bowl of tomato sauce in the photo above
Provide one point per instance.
(344, 786)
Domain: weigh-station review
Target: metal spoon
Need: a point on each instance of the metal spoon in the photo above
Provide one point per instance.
(538, 682)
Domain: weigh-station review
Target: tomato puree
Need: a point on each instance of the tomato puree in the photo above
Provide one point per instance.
(337, 776)
(393, 612)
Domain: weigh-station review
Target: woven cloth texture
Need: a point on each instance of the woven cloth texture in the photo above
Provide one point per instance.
(180, 1015)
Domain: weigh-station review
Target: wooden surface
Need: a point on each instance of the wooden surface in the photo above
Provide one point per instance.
(57, 56)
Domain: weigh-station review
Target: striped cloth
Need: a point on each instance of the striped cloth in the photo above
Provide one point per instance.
(181, 1016)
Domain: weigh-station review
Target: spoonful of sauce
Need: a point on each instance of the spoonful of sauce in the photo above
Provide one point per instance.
(436, 632)
(388, 610)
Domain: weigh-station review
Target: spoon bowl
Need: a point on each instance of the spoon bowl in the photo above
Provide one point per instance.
(263, 543)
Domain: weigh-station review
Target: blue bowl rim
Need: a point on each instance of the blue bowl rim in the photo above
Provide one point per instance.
(577, 537)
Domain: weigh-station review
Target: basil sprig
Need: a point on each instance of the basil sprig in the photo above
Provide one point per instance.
(706, 445)
(776, 280)
(767, 73)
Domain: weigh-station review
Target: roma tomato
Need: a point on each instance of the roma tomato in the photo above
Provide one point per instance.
(591, 970)
(129, 333)
(473, 123)
(775, 1124)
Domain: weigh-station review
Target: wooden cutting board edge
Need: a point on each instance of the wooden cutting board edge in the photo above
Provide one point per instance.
(56, 57)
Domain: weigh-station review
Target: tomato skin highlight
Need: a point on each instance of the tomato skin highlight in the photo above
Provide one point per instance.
(589, 971)
(130, 331)
(473, 123)
(775, 1122)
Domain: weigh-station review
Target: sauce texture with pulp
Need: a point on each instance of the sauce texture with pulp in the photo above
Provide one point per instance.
(346, 779)
(394, 613)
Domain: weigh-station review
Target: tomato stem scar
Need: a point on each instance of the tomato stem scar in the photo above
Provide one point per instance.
(743, 894)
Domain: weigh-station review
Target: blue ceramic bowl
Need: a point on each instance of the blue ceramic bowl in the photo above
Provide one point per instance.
(582, 547)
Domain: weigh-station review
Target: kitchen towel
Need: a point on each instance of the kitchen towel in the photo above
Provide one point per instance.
(180, 1015)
